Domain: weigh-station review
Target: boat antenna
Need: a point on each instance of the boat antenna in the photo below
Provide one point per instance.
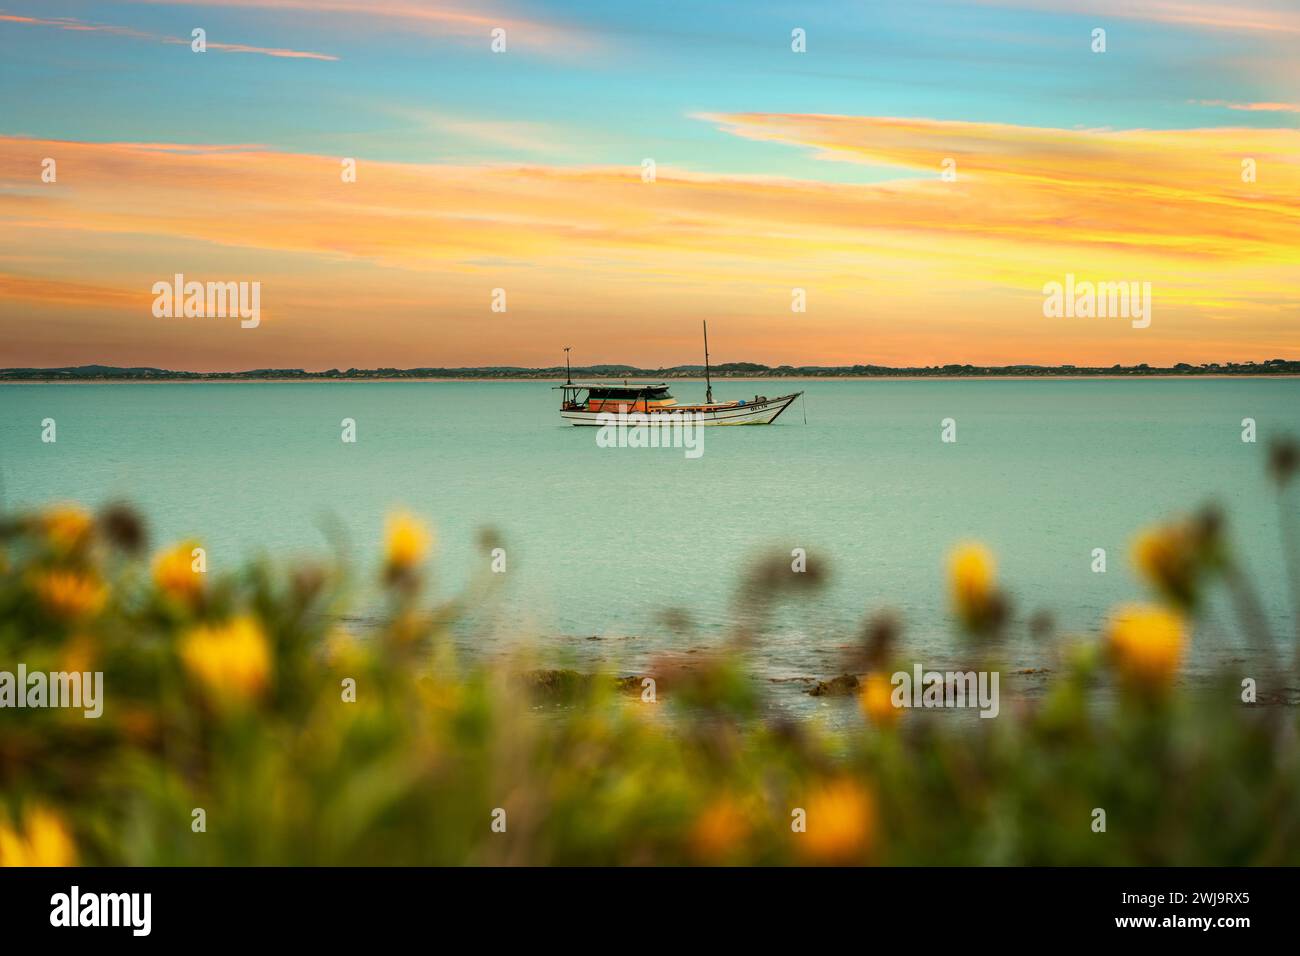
(568, 376)
(708, 383)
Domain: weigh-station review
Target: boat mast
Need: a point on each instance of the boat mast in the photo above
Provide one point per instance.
(708, 383)
(568, 376)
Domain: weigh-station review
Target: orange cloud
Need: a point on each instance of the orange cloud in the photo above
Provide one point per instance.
(80, 26)
(1174, 192)
(908, 271)
(65, 292)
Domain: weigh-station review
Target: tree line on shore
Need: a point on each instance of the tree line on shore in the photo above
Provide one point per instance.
(727, 370)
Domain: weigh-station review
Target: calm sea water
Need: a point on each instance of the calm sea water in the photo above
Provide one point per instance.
(600, 542)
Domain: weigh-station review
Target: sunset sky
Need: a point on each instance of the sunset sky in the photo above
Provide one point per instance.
(523, 171)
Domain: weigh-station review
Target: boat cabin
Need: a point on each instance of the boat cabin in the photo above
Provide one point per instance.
(614, 397)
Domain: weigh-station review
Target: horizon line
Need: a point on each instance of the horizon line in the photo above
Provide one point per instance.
(731, 369)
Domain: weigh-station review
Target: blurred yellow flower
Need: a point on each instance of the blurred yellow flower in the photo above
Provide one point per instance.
(174, 574)
(720, 831)
(876, 700)
(67, 526)
(841, 823)
(1146, 643)
(232, 661)
(972, 572)
(42, 840)
(70, 594)
(407, 542)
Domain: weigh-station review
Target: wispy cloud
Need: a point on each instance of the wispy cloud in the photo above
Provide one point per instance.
(77, 26)
(81, 26)
(471, 22)
(517, 136)
(1074, 186)
(1251, 107)
(1248, 16)
(1040, 187)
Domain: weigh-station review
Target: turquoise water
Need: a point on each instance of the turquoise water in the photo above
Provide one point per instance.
(600, 541)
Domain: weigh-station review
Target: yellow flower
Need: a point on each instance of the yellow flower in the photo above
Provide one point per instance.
(407, 543)
(876, 700)
(43, 840)
(720, 831)
(972, 571)
(67, 526)
(841, 821)
(174, 574)
(1146, 643)
(70, 594)
(232, 661)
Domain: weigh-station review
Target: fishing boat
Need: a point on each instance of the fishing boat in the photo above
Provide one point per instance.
(591, 403)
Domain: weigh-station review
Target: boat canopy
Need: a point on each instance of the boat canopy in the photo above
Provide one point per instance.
(601, 390)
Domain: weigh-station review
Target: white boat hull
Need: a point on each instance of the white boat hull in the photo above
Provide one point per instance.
(730, 413)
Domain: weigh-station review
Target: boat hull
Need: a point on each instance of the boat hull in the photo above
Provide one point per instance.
(730, 413)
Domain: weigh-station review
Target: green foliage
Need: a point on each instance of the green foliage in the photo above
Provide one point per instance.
(234, 696)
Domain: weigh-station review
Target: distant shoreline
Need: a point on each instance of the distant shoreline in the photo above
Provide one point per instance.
(745, 371)
(245, 380)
